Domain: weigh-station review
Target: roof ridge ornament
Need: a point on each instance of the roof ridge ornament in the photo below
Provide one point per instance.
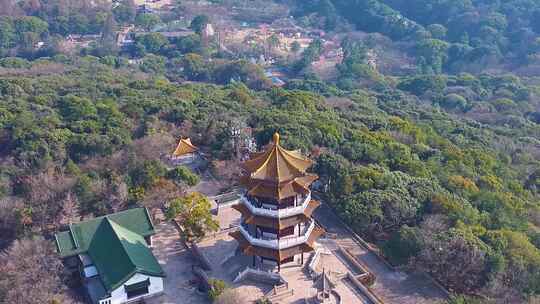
(275, 138)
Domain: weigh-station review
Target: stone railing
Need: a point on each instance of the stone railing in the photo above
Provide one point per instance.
(312, 266)
(363, 289)
(266, 277)
(282, 243)
(279, 213)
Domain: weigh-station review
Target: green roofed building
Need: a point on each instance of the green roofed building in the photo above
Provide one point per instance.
(113, 256)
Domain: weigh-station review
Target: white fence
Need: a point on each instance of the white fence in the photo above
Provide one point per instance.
(282, 243)
(280, 213)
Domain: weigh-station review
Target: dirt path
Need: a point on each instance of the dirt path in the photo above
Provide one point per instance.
(391, 286)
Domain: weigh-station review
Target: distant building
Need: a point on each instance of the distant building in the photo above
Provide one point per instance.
(185, 152)
(144, 9)
(112, 255)
(81, 41)
(177, 34)
(277, 82)
(124, 37)
(274, 77)
(209, 30)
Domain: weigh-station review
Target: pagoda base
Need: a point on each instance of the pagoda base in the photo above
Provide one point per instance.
(272, 265)
(279, 257)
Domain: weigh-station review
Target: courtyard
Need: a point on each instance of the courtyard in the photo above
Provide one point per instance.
(176, 260)
(302, 281)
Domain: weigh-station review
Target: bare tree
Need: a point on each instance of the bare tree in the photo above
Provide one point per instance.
(44, 193)
(9, 8)
(226, 171)
(119, 196)
(435, 223)
(152, 146)
(163, 191)
(453, 259)
(70, 209)
(499, 290)
(9, 221)
(31, 273)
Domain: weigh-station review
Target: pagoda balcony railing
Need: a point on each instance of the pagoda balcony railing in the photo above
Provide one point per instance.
(276, 213)
(281, 243)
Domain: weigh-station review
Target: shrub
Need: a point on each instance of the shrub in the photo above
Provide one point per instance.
(217, 287)
(183, 174)
(229, 296)
(147, 173)
(454, 101)
(403, 244)
(421, 84)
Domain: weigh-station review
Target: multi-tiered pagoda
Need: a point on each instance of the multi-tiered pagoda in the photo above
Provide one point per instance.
(276, 224)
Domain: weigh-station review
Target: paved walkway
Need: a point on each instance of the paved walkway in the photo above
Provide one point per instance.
(208, 185)
(391, 286)
(176, 261)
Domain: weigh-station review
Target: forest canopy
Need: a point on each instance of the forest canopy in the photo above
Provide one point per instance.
(425, 131)
(406, 175)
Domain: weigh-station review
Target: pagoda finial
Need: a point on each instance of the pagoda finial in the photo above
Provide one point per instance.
(276, 138)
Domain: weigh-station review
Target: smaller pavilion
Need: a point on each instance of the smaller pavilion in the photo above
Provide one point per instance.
(185, 151)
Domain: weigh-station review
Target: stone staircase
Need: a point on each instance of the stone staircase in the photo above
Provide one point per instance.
(279, 292)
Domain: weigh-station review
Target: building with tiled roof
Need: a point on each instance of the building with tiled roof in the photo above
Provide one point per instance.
(185, 153)
(113, 256)
(184, 147)
(277, 206)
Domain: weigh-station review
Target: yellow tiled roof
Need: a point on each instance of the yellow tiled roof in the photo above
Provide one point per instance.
(184, 147)
(277, 164)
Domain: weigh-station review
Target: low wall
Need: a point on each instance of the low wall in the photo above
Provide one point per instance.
(219, 234)
(279, 292)
(376, 251)
(366, 276)
(194, 249)
(203, 277)
(203, 260)
(226, 198)
(260, 276)
(364, 290)
(313, 263)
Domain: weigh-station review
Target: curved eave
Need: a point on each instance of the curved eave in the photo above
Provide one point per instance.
(278, 255)
(263, 189)
(277, 223)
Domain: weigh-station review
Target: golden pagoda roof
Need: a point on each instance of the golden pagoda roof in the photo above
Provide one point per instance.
(276, 164)
(184, 147)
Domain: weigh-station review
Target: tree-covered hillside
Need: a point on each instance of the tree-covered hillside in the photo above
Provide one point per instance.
(454, 197)
(457, 34)
(424, 123)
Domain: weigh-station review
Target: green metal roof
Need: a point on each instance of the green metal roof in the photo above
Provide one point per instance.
(79, 236)
(119, 253)
(116, 245)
